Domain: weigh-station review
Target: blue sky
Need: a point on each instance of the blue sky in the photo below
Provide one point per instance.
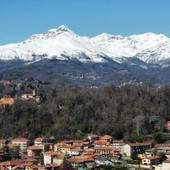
(21, 18)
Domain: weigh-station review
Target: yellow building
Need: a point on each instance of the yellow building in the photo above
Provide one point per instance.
(6, 101)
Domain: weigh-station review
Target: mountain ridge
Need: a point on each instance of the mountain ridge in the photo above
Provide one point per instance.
(60, 55)
(148, 47)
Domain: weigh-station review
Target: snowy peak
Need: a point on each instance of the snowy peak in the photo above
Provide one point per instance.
(51, 33)
(107, 37)
(60, 30)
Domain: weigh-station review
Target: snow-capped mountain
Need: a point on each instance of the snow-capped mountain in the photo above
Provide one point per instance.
(101, 60)
(149, 47)
(61, 43)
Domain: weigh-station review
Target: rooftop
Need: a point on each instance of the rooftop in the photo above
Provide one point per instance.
(140, 144)
(20, 140)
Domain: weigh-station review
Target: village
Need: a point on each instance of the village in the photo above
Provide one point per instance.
(95, 151)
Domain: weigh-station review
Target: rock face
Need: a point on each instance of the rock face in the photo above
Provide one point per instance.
(101, 59)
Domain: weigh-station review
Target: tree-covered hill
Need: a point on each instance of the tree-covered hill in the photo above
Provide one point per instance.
(129, 112)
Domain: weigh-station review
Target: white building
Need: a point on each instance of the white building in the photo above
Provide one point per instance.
(23, 143)
(75, 152)
(49, 157)
(165, 166)
(137, 148)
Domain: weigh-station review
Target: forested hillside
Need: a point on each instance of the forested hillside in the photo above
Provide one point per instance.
(134, 113)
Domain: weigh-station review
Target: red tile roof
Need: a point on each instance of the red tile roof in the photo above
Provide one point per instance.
(89, 152)
(140, 144)
(77, 144)
(50, 153)
(86, 143)
(100, 142)
(106, 137)
(117, 141)
(39, 139)
(153, 157)
(34, 148)
(77, 149)
(20, 140)
(162, 145)
(75, 160)
(81, 159)
(68, 146)
(103, 148)
(12, 163)
(12, 145)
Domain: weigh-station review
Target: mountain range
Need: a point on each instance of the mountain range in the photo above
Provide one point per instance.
(63, 57)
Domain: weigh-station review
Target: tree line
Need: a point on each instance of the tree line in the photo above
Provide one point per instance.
(132, 112)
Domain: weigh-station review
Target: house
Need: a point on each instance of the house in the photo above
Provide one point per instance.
(34, 151)
(49, 157)
(7, 101)
(89, 162)
(59, 159)
(106, 138)
(28, 96)
(118, 144)
(76, 152)
(88, 152)
(30, 160)
(81, 162)
(103, 161)
(9, 165)
(106, 150)
(66, 149)
(86, 144)
(46, 146)
(38, 141)
(162, 148)
(92, 137)
(23, 143)
(153, 160)
(100, 143)
(57, 146)
(136, 148)
(78, 145)
(76, 163)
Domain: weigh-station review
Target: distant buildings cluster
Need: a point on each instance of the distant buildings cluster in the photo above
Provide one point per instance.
(95, 151)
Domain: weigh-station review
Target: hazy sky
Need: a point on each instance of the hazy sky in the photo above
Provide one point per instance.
(21, 18)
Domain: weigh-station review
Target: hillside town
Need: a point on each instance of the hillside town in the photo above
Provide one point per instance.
(94, 151)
